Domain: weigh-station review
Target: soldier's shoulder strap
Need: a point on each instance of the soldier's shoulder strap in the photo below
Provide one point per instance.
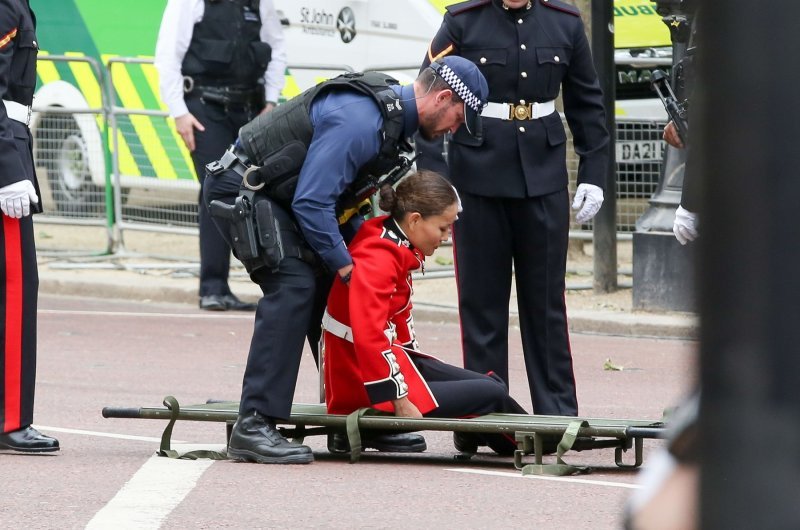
(561, 6)
(462, 7)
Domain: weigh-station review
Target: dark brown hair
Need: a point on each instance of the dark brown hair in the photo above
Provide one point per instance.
(425, 192)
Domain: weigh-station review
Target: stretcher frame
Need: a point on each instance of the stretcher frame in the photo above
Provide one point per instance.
(529, 431)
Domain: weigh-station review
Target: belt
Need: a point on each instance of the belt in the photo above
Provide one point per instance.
(336, 328)
(234, 159)
(519, 111)
(345, 332)
(18, 111)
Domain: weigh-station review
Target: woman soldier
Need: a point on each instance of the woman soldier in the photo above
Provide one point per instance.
(372, 358)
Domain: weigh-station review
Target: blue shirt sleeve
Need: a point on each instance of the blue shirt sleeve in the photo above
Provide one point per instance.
(346, 136)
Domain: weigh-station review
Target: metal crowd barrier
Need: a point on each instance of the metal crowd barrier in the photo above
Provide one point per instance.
(70, 158)
(124, 151)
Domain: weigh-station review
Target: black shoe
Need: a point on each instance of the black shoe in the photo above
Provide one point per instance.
(385, 443)
(465, 442)
(256, 439)
(28, 440)
(224, 302)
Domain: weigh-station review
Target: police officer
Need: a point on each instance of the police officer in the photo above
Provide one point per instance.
(19, 198)
(220, 63)
(315, 153)
(528, 51)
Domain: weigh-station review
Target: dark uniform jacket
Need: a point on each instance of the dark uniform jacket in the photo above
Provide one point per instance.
(18, 49)
(526, 55)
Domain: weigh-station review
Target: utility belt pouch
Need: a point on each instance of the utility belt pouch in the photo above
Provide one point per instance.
(280, 171)
(242, 225)
(269, 234)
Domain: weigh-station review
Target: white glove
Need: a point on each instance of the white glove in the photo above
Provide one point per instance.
(685, 226)
(591, 197)
(16, 198)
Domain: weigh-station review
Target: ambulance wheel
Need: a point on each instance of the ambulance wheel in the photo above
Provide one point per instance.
(61, 149)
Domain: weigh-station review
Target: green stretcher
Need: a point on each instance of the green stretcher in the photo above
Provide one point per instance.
(529, 431)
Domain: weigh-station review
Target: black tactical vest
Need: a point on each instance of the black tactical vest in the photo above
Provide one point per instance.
(291, 122)
(226, 49)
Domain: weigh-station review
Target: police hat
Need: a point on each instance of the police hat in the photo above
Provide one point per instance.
(468, 82)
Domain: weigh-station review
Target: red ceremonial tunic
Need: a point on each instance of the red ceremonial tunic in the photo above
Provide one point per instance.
(368, 334)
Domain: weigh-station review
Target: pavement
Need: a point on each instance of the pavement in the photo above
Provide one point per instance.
(144, 277)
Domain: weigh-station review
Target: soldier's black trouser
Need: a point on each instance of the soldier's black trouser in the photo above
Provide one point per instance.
(491, 235)
(289, 312)
(19, 291)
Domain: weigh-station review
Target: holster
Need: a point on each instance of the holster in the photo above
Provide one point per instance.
(262, 233)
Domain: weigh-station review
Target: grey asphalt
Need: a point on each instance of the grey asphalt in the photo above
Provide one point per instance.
(435, 296)
(96, 352)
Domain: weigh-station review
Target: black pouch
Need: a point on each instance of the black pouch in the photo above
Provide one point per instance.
(280, 171)
(269, 234)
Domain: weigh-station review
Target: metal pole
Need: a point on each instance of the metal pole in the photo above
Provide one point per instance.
(749, 252)
(605, 223)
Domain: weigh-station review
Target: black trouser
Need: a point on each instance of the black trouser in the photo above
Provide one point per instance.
(491, 235)
(463, 393)
(222, 126)
(290, 311)
(19, 289)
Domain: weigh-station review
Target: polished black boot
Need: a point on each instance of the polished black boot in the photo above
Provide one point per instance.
(256, 439)
(385, 443)
(28, 440)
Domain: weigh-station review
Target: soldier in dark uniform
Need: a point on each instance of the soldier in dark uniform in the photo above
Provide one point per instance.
(513, 182)
(686, 221)
(220, 63)
(19, 198)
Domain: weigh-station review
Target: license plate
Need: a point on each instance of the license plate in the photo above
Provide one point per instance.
(640, 151)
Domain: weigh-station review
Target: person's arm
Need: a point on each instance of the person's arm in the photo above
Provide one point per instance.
(11, 170)
(272, 34)
(373, 282)
(583, 107)
(174, 37)
(345, 139)
(444, 43)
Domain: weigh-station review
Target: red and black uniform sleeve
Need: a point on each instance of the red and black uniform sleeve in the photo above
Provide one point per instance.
(18, 48)
(377, 270)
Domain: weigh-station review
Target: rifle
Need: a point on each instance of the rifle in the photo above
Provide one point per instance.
(678, 112)
(358, 202)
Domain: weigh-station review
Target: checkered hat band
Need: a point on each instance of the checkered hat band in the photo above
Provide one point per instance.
(460, 88)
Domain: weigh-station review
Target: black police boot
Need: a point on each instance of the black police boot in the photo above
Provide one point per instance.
(465, 442)
(28, 440)
(385, 443)
(256, 439)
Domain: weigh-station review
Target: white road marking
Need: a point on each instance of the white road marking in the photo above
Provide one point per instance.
(541, 477)
(148, 498)
(246, 316)
(46, 429)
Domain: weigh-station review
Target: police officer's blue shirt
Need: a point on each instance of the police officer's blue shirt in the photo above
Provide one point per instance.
(347, 135)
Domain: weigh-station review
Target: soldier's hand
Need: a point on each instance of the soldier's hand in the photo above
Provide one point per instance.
(16, 199)
(685, 225)
(405, 408)
(589, 198)
(185, 125)
(671, 135)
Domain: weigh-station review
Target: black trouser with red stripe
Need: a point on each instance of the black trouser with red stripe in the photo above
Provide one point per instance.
(19, 286)
(494, 236)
